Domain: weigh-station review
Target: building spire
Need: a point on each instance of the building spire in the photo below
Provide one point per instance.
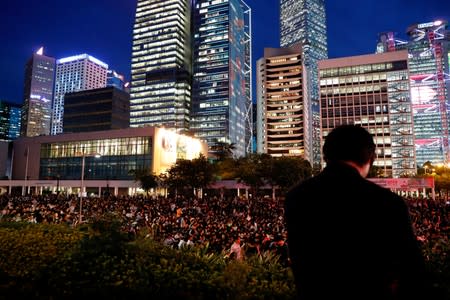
(40, 51)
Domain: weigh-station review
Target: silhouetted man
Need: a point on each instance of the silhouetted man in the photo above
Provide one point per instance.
(348, 237)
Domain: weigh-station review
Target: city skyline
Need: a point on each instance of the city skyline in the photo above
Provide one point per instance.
(104, 29)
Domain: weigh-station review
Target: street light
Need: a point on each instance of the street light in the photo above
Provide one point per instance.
(83, 156)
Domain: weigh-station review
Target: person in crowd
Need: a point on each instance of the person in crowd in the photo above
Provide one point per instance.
(236, 249)
(349, 238)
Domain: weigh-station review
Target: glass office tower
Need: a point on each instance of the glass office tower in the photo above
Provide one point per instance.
(372, 91)
(429, 59)
(73, 74)
(9, 120)
(304, 21)
(161, 64)
(221, 105)
(428, 48)
(38, 95)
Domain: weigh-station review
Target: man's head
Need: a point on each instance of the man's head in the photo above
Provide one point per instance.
(349, 143)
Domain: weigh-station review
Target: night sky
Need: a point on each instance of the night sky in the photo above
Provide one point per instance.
(103, 29)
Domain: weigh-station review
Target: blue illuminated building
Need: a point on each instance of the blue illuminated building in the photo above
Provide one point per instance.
(9, 120)
(221, 102)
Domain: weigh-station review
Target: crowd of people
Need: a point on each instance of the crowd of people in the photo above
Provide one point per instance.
(234, 225)
(257, 224)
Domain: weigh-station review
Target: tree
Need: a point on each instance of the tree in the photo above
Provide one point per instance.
(194, 174)
(227, 169)
(223, 150)
(289, 170)
(254, 170)
(147, 180)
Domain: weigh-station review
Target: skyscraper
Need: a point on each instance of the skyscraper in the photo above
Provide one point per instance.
(428, 46)
(161, 64)
(75, 73)
(38, 95)
(282, 123)
(372, 91)
(9, 120)
(304, 21)
(221, 105)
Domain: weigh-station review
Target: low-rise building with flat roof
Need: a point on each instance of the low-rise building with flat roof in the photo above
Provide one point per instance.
(105, 158)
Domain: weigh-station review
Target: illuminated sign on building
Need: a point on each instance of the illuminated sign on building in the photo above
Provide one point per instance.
(429, 24)
(170, 146)
(80, 57)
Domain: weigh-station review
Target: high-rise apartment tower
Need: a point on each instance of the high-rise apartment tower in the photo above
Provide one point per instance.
(281, 114)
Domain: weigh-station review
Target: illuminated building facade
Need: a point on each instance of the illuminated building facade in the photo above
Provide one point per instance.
(10, 114)
(108, 157)
(372, 91)
(281, 114)
(222, 105)
(304, 21)
(428, 46)
(96, 110)
(38, 95)
(161, 64)
(75, 73)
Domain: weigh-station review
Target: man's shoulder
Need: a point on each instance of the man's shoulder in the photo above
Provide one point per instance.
(304, 186)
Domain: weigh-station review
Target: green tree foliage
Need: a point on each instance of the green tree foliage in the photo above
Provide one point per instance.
(194, 174)
(257, 170)
(223, 150)
(147, 180)
(227, 169)
(287, 171)
(254, 169)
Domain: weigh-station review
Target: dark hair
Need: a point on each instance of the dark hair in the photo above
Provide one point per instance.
(351, 143)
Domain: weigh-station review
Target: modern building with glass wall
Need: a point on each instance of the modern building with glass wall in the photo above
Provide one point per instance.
(38, 95)
(161, 64)
(281, 114)
(96, 110)
(428, 45)
(105, 158)
(372, 91)
(75, 73)
(10, 114)
(221, 105)
(304, 21)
